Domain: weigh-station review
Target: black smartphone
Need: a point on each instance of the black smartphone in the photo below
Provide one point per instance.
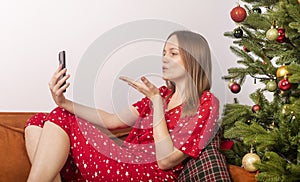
(62, 60)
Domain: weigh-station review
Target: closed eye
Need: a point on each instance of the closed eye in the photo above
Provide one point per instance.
(174, 53)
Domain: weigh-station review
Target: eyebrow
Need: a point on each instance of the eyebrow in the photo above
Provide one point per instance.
(173, 48)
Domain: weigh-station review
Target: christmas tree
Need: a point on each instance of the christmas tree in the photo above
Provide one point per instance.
(265, 135)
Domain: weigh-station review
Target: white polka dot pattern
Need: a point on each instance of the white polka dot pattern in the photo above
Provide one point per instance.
(95, 157)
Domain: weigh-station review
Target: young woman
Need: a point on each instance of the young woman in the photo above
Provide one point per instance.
(170, 124)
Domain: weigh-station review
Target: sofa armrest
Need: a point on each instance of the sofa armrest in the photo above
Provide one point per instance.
(14, 162)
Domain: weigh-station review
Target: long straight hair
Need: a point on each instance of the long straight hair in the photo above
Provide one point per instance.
(195, 53)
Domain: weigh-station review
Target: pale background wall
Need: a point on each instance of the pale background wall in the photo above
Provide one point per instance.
(32, 33)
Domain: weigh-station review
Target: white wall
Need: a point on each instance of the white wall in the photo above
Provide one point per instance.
(32, 33)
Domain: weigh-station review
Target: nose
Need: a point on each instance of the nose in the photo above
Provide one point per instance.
(165, 59)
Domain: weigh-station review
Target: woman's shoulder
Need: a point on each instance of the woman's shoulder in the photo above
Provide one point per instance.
(208, 96)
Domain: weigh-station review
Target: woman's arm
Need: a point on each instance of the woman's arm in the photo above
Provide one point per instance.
(96, 116)
(167, 155)
(101, 118)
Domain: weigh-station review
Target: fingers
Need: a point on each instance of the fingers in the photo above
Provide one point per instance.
(147, 82)
(60, 90)
(130, 82)
(57, 83)
(57, 75)
(145, 87)
(151, 87)
(62, 81)
(59, 68)
(126, 79)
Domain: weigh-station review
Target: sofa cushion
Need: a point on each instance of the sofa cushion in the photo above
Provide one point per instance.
(239, 174)
(14, 162)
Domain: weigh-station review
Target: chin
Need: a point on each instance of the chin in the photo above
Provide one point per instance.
(165, 78)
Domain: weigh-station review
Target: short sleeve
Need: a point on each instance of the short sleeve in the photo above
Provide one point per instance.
(143, 106)
(192, 134)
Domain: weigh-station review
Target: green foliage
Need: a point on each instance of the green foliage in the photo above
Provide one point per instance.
(234, 113)
(273, 131)
(276, 168)
(294, 70)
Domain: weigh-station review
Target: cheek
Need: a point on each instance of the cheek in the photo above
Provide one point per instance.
(178, 70)
(179, 64)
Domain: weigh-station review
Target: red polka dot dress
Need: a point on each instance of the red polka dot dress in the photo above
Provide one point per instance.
(95, 157)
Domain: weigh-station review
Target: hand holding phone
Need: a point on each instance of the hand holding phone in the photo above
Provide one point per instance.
(62, 61)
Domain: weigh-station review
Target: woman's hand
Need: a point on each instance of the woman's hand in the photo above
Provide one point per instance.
(56, 85)
(145, 87)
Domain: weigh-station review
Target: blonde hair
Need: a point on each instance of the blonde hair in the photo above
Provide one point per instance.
(195, 53)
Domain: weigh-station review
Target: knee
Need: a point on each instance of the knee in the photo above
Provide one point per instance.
(61, 117)
(32, 130)
(32, 135)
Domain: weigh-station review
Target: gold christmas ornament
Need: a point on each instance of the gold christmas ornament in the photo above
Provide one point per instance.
(284, 109)
(272, 125)
(272, 34)
(281, 72)
(230, 83)
(249, 160)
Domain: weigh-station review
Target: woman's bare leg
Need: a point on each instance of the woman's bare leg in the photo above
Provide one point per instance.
(50, 153)
(32, 138)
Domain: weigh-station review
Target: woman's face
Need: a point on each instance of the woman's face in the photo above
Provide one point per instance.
(172, 67)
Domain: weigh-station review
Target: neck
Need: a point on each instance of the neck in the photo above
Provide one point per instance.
(180, 91)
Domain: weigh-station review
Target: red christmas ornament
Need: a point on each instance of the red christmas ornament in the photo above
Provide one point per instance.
(255, 108)
(235, 88)
(238, 14)
(281, 35)
(284, 84)
(245, 49)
